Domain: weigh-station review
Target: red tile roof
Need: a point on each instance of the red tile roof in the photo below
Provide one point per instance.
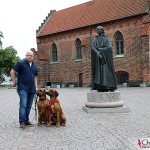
(90, 13)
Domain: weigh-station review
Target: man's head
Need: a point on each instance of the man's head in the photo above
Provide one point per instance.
(100, 30)
(29, 56)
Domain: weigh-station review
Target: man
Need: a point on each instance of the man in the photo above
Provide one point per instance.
(103, 74)
(26, 83)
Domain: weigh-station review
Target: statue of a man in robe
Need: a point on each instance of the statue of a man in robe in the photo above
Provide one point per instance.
(103, 73)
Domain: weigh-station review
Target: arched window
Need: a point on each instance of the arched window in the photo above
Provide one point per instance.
(78, 49)
(119, 43)
(54, 52)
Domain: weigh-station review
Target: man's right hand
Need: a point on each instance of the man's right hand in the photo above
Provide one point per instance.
(14, 84)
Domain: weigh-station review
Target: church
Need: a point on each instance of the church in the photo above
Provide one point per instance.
(63, 54)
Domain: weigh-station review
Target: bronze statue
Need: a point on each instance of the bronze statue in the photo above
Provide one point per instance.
(103, 73)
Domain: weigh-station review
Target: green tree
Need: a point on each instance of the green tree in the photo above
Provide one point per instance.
(8, 58)
(1, 36)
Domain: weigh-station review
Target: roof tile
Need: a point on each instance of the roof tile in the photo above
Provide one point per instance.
(92, 12)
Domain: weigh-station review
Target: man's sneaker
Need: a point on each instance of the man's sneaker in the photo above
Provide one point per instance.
(28, 123)
(22, 125)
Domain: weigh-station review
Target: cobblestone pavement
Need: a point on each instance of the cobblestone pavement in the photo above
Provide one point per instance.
(84, 131)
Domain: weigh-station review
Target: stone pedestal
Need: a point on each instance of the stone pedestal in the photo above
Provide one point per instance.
(104, 102)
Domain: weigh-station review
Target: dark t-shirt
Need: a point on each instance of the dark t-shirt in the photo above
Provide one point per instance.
(26, 76)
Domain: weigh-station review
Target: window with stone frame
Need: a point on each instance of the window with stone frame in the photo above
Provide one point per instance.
(78, 49)
(119, 43)
(54, 52)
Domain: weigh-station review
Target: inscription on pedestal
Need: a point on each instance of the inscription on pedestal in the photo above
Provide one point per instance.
(100, 97)
(104, 99)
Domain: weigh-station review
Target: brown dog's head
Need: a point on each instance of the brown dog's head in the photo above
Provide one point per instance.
(41, 93)
(52, 93)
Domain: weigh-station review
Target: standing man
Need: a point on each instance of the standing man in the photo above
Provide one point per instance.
(26, 83)
(103, 72)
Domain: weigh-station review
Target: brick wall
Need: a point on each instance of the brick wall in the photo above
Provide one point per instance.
(135, 61)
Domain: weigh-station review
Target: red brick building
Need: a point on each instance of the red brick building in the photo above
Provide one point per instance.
(63, 53)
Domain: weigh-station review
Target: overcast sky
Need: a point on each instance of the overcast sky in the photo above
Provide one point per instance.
(19, 20)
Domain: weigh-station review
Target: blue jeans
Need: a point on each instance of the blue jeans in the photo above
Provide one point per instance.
(26, 100)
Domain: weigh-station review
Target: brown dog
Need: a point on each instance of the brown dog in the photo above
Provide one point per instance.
(43, 108)
(57, 115)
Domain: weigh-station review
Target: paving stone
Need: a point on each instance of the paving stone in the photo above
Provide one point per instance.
(85, 131)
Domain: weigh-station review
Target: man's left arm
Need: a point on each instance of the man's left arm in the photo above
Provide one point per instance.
(36, 83)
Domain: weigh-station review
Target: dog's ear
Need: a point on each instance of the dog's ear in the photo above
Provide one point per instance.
(37, 92)
(56, 94)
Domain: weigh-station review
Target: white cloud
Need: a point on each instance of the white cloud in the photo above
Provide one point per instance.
(19, 20)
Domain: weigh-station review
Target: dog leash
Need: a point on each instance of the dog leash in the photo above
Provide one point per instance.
(35, 106)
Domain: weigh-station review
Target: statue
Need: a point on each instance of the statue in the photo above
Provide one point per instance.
(103, 73)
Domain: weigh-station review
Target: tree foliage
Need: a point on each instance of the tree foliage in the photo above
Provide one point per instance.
(8, 58)
(1, 36)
